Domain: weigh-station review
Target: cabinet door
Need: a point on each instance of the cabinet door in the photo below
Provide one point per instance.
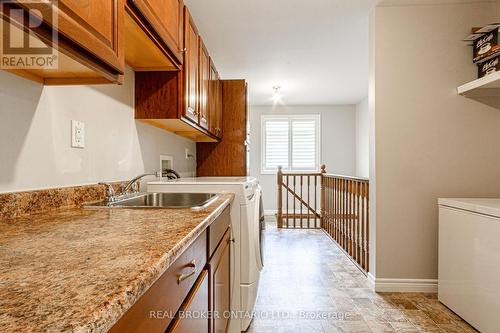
(220, 285)
(218, 109)
(166, 18)
(94, 26)
(204, 73)
(190, 70)
(192, 317)
(214, 102)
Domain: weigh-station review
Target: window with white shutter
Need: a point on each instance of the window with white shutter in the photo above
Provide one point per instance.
(290, 141)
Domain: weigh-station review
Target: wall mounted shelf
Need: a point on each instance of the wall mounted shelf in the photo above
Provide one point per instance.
(488, 86)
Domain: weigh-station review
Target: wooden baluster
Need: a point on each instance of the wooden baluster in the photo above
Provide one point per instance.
(349, 228)
(322, 220)
(294, 200)
(325, 202)
(308, 199)
(367, 228)
(346, 218)
(335, 208)
(302, 197)
(287, 199)
(280, 198)
(349, 219)
(341, 212)
(346, 224)
(330, 207)
(322, 193)
(363, 229)
(331, 213)
(356, 221)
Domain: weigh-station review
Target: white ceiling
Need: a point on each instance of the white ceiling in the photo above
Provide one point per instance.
(316, 50)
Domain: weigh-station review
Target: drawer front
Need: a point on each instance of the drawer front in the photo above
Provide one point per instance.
(190, 318)
(216, 231)
(220, 284)
(154, 311)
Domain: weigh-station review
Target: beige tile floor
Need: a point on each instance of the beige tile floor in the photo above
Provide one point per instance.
(308, 285)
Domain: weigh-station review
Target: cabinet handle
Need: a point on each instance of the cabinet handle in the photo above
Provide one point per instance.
(184, 50)
(183, 277)
(192, 110)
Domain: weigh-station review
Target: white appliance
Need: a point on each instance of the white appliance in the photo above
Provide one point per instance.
(469, 260)
(246, 260)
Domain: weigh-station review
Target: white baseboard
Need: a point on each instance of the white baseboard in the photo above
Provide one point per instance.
(371, 280)
(270, 211)
(403, 285)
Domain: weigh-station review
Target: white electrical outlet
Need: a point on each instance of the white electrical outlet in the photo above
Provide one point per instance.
(188, 154)
(77, 134)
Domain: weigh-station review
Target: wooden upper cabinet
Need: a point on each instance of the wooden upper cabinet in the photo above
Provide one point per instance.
(190, 69)
(215, 102)
(95, 25)
(166, 18)
(204, 77)
(227, 157)
(90, 39)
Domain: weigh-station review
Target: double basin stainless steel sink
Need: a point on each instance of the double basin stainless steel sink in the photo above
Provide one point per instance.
(160, 200)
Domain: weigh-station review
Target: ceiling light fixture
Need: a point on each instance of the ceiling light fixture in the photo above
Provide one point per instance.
(276, 95)
(276, 90)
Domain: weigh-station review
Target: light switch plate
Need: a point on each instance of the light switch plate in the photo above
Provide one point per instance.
(77, 134)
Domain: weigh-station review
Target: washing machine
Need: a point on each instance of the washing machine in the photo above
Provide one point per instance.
(246, 229)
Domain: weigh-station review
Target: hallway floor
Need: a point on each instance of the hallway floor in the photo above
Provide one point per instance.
(308, 285)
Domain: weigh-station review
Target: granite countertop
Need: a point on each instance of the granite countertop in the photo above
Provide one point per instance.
(79, 270)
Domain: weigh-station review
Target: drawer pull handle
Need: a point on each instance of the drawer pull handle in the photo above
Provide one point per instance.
(183, 277)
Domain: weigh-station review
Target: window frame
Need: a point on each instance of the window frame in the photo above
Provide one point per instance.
(290, 118)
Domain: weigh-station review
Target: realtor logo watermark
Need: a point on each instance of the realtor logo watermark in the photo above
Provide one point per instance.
(21, 47)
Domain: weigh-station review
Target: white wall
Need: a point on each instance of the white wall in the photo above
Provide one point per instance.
(338, 142)
(35, 141)
(362, 139)
(429, 142)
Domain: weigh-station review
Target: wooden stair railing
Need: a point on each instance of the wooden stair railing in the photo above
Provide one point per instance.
(343, 212)
(345, 215)
(301, 199)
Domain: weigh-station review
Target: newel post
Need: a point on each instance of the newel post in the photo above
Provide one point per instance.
(280, 197)
(322, 196)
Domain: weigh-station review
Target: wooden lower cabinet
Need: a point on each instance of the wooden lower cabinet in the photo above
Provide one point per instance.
(195, 285)
(219, 267)
(153, 312)
(193, 315)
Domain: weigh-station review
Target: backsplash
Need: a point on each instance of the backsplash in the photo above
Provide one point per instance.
(35, 136)
(19, 204)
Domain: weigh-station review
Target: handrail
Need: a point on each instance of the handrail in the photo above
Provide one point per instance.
(343, 212)
(345, 215)
(332, 175)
